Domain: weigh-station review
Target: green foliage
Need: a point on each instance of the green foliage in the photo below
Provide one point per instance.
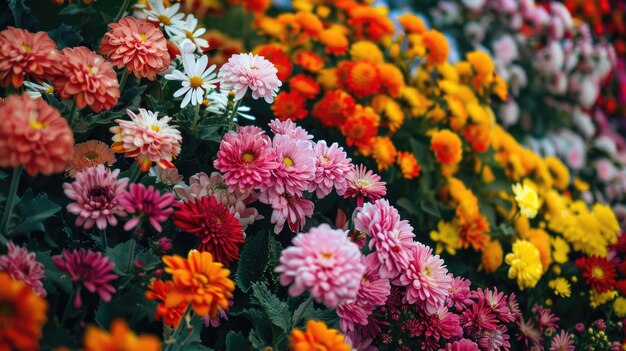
(252, 260)
(31, 212)
(276, 310)
(235, 341)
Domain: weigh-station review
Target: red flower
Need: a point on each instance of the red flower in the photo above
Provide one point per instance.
(220, 232)
(598, 272)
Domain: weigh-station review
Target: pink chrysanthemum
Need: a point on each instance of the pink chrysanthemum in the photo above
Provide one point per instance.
(147, 138)
(289, 128)
(96, 192)
(289, 209)
(461, 345)
(528, 333)
(88, 78)
(426, 278)
(391, 238)
(459, 294)
(332, 167)
(137, 45)
(545, 318)
(497, 339)
(34, 135)
(429, 328)
(88, 269)
(478, 318)
(364, 184)
(146, 203)
(247, 161)
(245, 71)
(324, 262)
(497, 301)
(562, 342)
(26, 54)
(21, 265)
(296, 166)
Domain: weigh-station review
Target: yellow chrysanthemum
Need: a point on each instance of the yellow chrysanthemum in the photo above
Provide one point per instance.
(525, 264)
(560, 249)
(447, 236)
(609, 226)
(527, 200)
(619, 307)
(481, 62)
(366, 50)
(492, 256)
(580, 184)
(598, 299)
(411, 23)
(561, 287)
(560, 173)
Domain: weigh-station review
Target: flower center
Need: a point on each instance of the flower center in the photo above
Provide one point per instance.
(195, 82)
(50, 90)
(98, 192)
(190, 36)
(326, 255)
(247, 157)
(325, 159)
(597, 272)
(27, 48)
(288, 161)
(164, 19)
(89, 69)
(362, 182)
(254, 68)
(155, 128)
(91, 155)
(36, 125)
(143, 37)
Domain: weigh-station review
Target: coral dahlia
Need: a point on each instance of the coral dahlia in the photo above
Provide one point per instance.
(90, 154)
(24, 54)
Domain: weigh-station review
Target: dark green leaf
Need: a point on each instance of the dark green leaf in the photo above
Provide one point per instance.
(326, 315)
(130, 305)
(276, 310)
(235, 341)
(70, 10)
(119, 255)
(65, 36)
(55, 280)
(22, 15)
(32, 211)
(149, 259)
(263, 330)
(302, 312)
(429, 205)
(210, 134)
(54, 336)
(252, 261)
(3, 175)
(407, 205)
(132, 97)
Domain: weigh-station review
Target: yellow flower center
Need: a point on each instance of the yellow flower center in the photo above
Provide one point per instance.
(164, 19)
(50, 90)
(190, 36)
(325, 159)
(91, 155)
(143, 37)
(155, 128)
(326, 255)
(34, 123)
(597, 272)
(27, 48)
(89, 69)
(247, 157)
(195, 82)
(254, 68)
(288, 161)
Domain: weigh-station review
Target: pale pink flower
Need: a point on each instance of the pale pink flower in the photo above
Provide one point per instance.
(246, 160)
(289, 128)
(497, 339)
(505, 49)
(324, 262)
(289, 209)
(364, 184)
(96, 192)
(253, 130)
(332, 167)
(22, 266)
(426, 279)
(146, 203)
(245, 71)
(136, 45)
(147, 138)
(296, 166)
(93, 270)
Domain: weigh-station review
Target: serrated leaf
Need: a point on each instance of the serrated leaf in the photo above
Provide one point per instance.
(32, 211)
(257, 342)
(259, 323)
(305, 309)
(130, 305)
(119, 255)
(252, 260)
(65, 36)
(326, 315)
(235, 341)
(149, 259)
(275, 309)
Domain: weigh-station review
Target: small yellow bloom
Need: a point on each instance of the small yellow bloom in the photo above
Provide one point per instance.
(597, 299)
(527, 200)
(619, 307)
(447, 236)
(525, 264)
(560, 249)
(561, 287)
(366, 50)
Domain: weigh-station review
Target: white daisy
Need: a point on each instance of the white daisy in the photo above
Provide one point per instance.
(218, 103)
(187, 30)
(34, 90)
(168, 17)
(197, 79)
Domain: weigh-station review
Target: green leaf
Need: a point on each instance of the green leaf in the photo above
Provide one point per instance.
(55, 336)
(304, 310)
(149, 259)
(71, 9)
(210, 134)
(65, 36)
(132, 97)
(275, 309)
(55, 281)
(235, 341)
(130, 305)
(407, 205)
(119, 255)
(22, 14)
(3, 175)
(32, 212)
(257, 342)
(260, 324)
(252, 260)
(429, 205)
(326, 315)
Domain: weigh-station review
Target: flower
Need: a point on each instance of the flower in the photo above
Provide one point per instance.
(248, 71)
(219, 231)
(90, 154)
(361, 126)
(562, 342)
(218, 103)
(290, 129)
(363, 184)
(331, 168)
(146, 202)
(199, 281)
(22, 266)
(167, 17)
(619, 307)
(561, 287)
(34, 135)
(317, 336)
(528, 333)
(461, 345)
(24, 313)
(296, 166)
(246, 160)
(447, 236)
(35, 90)
(334, 108)
(158, 290)
(88, 269)
(426, 278)
(492, 256)
(325, 262)
(290, 105)
(408, 165)
(197, 80)
(137, 45)
(88, 78)
(305, 85)
(187, 30)
(291, 209)
(525, 264)
(277, 56)
(598, 272)
(526, 199)
(447, 147)
(147, 138)
(598, 299)
(361, 78)
(478, 318)
(437, 46)
(459, 293)
(96, 193)
(383, 151)
(24, 54)
(120, 338)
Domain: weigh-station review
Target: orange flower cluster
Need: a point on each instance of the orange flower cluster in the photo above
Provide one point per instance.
(120, 338)
(317, 336)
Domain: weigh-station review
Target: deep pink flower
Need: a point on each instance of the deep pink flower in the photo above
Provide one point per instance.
(289, 209)
(165, 244)
(146, 203)
(459, 294)
(246, 160)
(21, 265)
(497, 301)
(96, 192)
(331, 168)
(290, 129)
(351, 314)
(245, 71)
(562, 342)
(324, 262)
(429, 328)
(461, 345)
(93, 270)
(545, 318)
(495, 339)
(364, 184)
(477, 318)
(527, 333)
(296, 166)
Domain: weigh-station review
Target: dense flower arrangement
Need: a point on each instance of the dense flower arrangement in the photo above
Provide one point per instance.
(342, 186)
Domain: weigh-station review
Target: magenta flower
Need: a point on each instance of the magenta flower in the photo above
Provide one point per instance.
(289, 209)
(364, 184)
(146, 203)
(331, 168)
(96, 192)
(430, 328)
(497, 301)
(459, 294)
(562, 342)
(248, 71)
(290, 129)
(527, 333)
(296, 166)
(22, 266)
(478, 318)
(461, 345)
(497, 339)
(545, 318)
(324, 262)
(93, 270)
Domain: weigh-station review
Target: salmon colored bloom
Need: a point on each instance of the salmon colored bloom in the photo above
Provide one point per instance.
(334, 40)
(24, 54)
(408, 165)
(23, 267)
(317, 336)
(305, 85)
(437, 46)
(120, 338)
(136, 45)
(276, 55)
(309, 61)
(88, 78)
(34, 135)
(257, 7)
(412, 24)
(158, 290)
(360, 78)
(89, 154)
(23, 315)
(334, 108)
(199, 281)
(290, 105)
(361, 127)
(447, 147)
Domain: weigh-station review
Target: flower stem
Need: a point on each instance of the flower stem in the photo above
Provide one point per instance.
(70, 302)
(135, 172)
(123, 80)
(131, 255)
(8, 208)
(121, 11)
(181, 325)
(233, 113)
(196, 117)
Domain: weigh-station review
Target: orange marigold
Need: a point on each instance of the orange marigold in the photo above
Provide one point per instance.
(276, 55)
(391, 79)
(408, 165)
(361, 79)
(317, 336)
(411, 23)
(289, 105)
(481, 62)
(22, 314)
(361, 127)
(473, 231)
(437, 46)
(478, 135)
(199, 281)
(447, 147)
(334, 40)
(541, 240)
(370, 22)
(384, 152)
(120, 338)
(492, 256)
(500, 88)
(305, 85)
(310, 23)
(89, 154)
(309, 61)
(158, 290)
(257, 7)
(334, 108)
